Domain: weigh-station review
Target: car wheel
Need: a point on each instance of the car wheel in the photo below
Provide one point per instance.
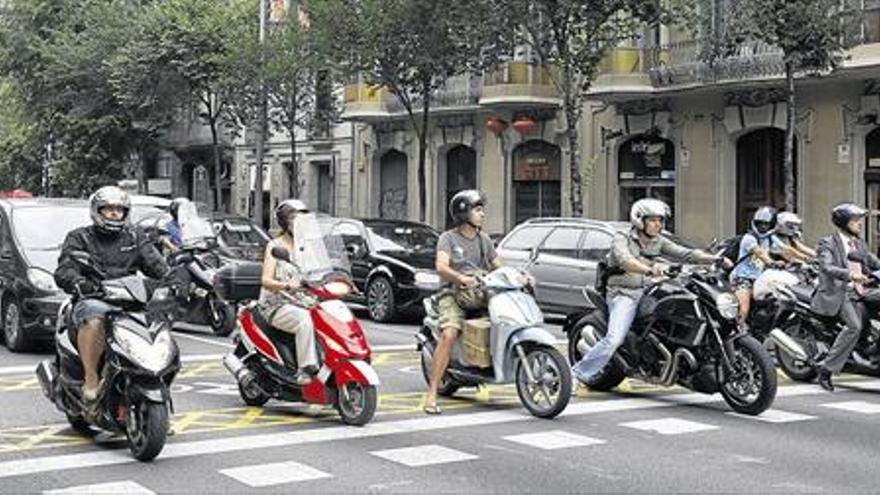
(380, 299)
(13, 330)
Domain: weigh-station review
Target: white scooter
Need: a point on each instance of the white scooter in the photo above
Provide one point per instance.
(521, 349)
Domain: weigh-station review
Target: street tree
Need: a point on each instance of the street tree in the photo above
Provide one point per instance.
(411, 48)
(571, 37)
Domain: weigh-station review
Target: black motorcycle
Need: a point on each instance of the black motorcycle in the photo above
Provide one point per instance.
(816, 334)
(140, 361)
(684, 333)
(198, 302)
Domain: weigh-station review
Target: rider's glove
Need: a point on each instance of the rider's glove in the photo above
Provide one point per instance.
(86, 287)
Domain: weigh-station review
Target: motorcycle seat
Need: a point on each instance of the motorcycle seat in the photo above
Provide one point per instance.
(803, 293)
(284, 342)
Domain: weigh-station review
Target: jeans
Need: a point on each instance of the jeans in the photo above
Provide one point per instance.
(621, 313)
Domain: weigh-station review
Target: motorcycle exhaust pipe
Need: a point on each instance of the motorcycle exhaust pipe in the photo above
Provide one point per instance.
(236, 367)
(47, 375)
(788, 345)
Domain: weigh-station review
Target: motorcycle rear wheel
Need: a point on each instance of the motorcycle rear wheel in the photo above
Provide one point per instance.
(224, 323)
(448, 386)
(752, 389)
(612, 374)
(252, 396)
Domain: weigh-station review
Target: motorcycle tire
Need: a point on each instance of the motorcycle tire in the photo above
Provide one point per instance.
(799, 373)
(79, 425)
(751, 353)
(448, 385)
(549, 360)
(148, 433)
(224, 324)
(612, 374)
(253, 397)
(361, 413)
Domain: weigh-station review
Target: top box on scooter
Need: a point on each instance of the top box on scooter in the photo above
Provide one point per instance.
(239, 281)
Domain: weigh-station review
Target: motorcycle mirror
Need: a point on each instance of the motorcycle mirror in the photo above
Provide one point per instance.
(279, 253)
(533, 254)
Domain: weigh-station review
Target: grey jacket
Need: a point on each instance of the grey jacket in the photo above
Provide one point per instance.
(627, 246)
(834, 273)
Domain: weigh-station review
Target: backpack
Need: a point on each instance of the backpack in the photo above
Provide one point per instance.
(730, 248)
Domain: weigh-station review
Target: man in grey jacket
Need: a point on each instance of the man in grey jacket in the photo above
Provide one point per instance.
(841, 285)
(636, 255)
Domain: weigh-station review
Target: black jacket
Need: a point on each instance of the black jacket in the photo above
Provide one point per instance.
(115, 255)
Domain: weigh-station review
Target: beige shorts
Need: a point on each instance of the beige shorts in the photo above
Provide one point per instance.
(451, 314)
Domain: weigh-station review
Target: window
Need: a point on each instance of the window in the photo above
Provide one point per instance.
(563, 242)
(526, 238)
(596, 245)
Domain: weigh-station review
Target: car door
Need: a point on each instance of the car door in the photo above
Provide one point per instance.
(594, 247)
(515, 249)
(559, 268)
(7, 255)
(353, 234)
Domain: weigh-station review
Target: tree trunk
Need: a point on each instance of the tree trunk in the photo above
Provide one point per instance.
(294, 165)
(570, 103)
(423, 152)
(215, 145)
(788, 162)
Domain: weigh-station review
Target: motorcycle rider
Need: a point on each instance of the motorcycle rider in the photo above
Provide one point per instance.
(788, 230)
(175, 231)
(280, 276)
(117, 250)
(835, 296)
(632, 263)
(754, 256)
(461, 252)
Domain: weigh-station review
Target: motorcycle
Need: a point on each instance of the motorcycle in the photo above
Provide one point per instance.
(518, 349)
(778, 296)
(263, 361)
(197, 262)
(140, 361)
(684, 333)
(816, 334)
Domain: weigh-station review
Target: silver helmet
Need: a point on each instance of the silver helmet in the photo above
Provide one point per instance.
(788, 224)
(647, 208)
(109, 196)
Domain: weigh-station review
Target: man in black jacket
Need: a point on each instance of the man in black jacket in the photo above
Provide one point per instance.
(841, 285)
(116, 250)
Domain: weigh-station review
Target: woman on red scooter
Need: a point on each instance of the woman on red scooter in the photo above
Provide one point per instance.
(281, 276)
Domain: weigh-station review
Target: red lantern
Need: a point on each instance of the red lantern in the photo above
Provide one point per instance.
(524, 125)
(496, 125)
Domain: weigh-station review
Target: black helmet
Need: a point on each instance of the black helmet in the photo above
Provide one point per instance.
(174, 207)
(764, 221)
(285, 208)
(109, 196)
(844, 212)
(461, 205)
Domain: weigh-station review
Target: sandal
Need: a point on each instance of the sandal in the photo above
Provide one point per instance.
(432, 410)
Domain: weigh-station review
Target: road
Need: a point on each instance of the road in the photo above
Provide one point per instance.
(639, 438)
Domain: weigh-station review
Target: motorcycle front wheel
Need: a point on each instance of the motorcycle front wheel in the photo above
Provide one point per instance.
(750, 386)
(357, 403)
(547, 395)
(147, 429)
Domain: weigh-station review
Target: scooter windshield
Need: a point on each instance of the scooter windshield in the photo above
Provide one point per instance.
(195, 230)
(318, 253)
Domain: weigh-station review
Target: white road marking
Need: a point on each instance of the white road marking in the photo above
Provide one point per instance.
(119, 487)
(552, 440)
(278, 473)
(203, 340)
(424, 455)
(669, 426)
(240, 443)
(856, 406)
(775, 416)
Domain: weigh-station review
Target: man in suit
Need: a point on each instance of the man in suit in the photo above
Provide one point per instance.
(841, 285)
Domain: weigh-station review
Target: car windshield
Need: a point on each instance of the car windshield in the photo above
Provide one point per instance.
(235, 233)
(44, 228)
(391, 237)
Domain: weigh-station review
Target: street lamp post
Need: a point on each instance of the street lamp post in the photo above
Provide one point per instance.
(257, 213)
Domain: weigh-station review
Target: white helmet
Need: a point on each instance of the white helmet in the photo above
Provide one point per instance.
(788, 224)
(646, 208)
(109, 196)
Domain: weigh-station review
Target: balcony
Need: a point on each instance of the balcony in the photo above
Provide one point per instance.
(365, 102)
(624, 70)
(519, 83)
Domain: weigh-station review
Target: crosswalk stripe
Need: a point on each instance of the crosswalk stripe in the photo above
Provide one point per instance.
(856, 406)
(775, 416)
(669, 426)
(552, 440)
(115, 488)
(424, 455)
(260, 475)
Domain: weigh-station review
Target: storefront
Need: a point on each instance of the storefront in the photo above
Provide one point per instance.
(646, 169)
(537, 176)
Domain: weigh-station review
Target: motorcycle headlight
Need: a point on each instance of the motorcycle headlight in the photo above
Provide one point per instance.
(427, 280)
(728, 305)
(42, 280)
(153, 357)
(337, 289)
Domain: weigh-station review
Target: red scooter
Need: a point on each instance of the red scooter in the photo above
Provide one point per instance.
(264, 359)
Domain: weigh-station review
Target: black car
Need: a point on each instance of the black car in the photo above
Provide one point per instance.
(31, 234)
(387, 258)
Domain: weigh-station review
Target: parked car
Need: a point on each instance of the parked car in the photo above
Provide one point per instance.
(31, 234)
(569, 252)
(240, 236)
(387, 258)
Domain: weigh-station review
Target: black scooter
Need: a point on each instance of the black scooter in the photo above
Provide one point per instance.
(198, 302)
(140, 361)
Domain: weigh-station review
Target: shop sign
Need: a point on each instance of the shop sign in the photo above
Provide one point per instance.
(536, 168)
